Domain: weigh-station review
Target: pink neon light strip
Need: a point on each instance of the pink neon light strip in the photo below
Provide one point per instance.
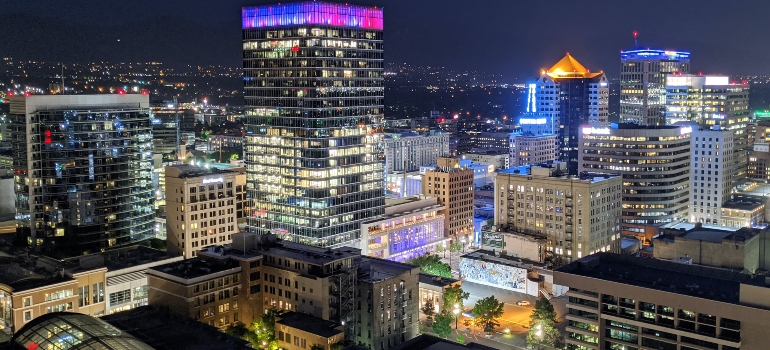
(321, 13)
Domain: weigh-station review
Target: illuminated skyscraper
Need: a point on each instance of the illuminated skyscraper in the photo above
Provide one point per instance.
(567, 96)
(643, 83)
(83, 171)
(313, 87)
(712, 101)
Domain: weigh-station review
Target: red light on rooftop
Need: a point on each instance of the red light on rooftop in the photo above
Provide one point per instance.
(700, 73)
(11, 93)
(145, 92)
(121, 92)
(27, 94)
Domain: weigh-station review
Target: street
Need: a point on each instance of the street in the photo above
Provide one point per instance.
(515, 318)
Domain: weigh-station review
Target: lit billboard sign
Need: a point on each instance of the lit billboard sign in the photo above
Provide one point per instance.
(590, 130)
(532, 121)
(685, 130)
(213, 180)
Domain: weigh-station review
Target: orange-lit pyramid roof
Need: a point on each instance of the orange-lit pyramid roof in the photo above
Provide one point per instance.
(569, 67)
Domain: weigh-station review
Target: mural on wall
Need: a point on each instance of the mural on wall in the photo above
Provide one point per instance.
(498, 275)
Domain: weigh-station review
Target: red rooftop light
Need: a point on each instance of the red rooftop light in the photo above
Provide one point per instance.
(145, 92)
(27, 94)
(121, 92)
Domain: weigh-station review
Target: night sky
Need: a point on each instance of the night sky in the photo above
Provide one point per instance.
(512, 37)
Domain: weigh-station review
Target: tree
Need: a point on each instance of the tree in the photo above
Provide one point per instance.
(317, 347)
(442, 325)
(543, 320)
(455, 247)
(429, 309)
(432, 265)
(486, 312)
(441, 249)
(460, 339)
(337, 346)
(453, 295)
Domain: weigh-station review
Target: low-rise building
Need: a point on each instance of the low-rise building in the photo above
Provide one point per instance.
(498, 158)
(618, 301)
(387, 308)
(411, 227)
(510, 273)
(432, 288)
(741, 249)
(532, 149)
(236, 282)
(743, 211)
(298, 331)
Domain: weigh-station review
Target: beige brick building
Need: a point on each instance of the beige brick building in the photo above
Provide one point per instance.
(453, 186)
(577, 216)
(200, 208)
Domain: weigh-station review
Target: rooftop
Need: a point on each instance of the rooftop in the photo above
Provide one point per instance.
(708, 233)
(430, 342)
(488, 255)
(693, 280)
(744, 202)
(64, 330)
(569, 67)
(375, 270)
(187, 170)
(436, 280)
(310, 324)
(194, 268)
(163, 330)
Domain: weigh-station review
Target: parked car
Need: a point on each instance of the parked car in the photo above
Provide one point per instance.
(522, 303)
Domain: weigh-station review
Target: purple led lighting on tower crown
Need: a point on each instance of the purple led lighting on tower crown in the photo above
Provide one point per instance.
(303, 13)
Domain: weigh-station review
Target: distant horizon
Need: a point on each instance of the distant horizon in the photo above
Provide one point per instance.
(515, 39)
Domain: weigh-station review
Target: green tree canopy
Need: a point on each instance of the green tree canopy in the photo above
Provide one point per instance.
(486, 312)
(432, 265)
(429, 309)
(542, 325)
(442, 325)
(453, 295)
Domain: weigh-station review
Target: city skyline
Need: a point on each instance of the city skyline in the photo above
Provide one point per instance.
(514, 42)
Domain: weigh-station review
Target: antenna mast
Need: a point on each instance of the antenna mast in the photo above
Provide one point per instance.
(62, 78)
(636, 42)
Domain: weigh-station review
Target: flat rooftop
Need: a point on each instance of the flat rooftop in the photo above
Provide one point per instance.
(310, 324)
(308, 253)
(163, 330)
(187, 171)
(375, 270)
(715, 234)
(693, 280)
(194, 268)
(744, 202)
(436, 280)
(488, 255)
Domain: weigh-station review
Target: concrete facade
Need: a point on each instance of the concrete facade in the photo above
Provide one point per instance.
(617, 300)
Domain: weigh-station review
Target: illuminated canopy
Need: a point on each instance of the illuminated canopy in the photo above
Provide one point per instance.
(569, 67)
(312, 12)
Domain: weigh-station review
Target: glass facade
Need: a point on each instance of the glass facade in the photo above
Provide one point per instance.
(643, 83)
(314, 97)
(83, 176)
(74, 331)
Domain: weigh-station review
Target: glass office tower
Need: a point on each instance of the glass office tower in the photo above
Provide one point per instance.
(565, 97)
(82, 171)
(643, 83)
(313, 89)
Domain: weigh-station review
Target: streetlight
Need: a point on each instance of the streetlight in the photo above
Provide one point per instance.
(456, 311)
(539, 334)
